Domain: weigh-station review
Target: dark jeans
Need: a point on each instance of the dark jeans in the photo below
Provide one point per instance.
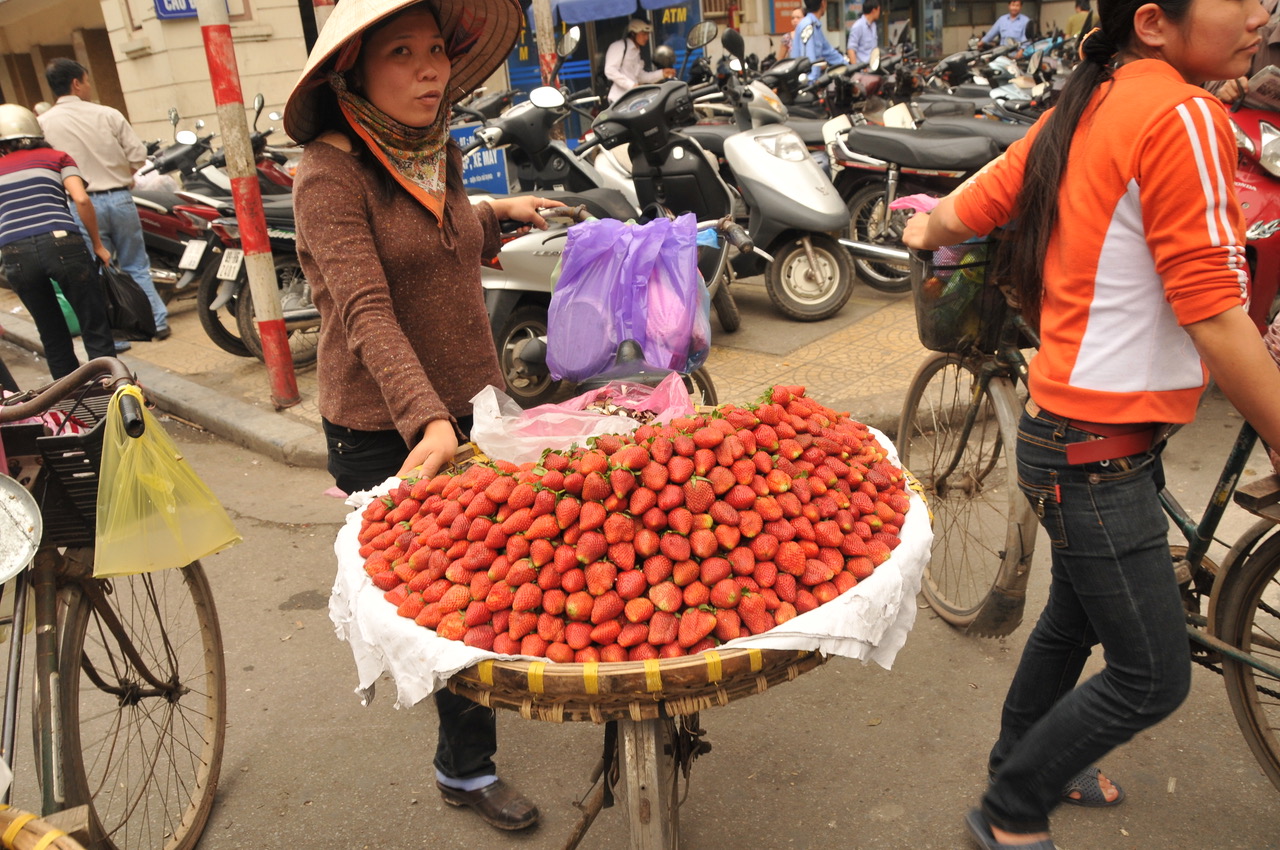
(468, 736)
(31, 265)
(1112, 582)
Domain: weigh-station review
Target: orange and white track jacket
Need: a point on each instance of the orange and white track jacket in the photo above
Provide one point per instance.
(1149, 238)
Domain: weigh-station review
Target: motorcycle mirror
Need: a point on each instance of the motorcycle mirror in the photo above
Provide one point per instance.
(732, 42)
(185, 137)
(547, 97)
(873, 64)
(569, 41)
(258, 102)
(1033, 64)
(173, 116)
(702, 34)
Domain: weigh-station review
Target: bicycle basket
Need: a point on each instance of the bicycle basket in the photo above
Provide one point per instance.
(956, 311)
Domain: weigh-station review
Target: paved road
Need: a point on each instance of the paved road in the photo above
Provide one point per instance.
(847, 757)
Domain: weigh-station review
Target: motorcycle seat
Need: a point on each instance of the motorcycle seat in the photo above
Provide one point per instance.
(921, 148)
(936, 102)
(711, 136)
(161, 199)
(809, 129)
(1000, 132)
(278, 209)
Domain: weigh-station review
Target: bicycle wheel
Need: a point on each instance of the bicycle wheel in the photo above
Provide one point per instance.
(979, 519)
(1247, 616)
(144, 707)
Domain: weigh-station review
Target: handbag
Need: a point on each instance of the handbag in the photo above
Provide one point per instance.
(154, 512)
(128, 308)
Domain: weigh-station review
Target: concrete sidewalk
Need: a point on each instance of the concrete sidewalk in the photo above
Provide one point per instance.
(861, 361)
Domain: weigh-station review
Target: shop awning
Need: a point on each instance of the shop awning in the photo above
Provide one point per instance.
(583, 11)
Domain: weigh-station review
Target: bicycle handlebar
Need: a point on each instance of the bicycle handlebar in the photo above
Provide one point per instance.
(108, 370)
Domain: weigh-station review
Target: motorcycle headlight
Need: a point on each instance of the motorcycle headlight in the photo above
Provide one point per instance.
(1270, 158)
(1243, 142)
(786, 146)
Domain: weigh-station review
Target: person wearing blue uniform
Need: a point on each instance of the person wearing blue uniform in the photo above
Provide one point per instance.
(1011, 26)
(863, 37)
(810, 42)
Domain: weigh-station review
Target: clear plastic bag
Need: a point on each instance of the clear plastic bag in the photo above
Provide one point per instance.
(621, 281)
(503, 431)
(154, 512)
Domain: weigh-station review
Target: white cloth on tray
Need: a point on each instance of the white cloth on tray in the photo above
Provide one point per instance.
(868, 622)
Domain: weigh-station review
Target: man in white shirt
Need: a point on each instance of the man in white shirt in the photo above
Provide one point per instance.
(107, 151)
(624, 62)
(863, 37)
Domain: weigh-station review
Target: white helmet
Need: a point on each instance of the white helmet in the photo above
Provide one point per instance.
(18, 122)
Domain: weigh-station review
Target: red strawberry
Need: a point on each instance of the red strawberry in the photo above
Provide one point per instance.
(661, 449)
(622, 482)
(664, 628)
(642, 499)
(721, 479)
(670, 497)
(631, 457)
(577, 635)
(544, 503)
(685, 572)
(674, 546)
(534, 645)
(707, 438)
(608, 606)
(613, 653)
(550, 627)
(695, 624)
(684, 446)
(622, 555)
(751, 608)
(592, 461)
(844, 581)
(698, 495)
(567, 511)
(476, 613)
(592, 516)
(680, 520)
(679, 469)
(633, 634)
(500, 596)
(560, 652)
(786, 611)
(608, 443)
(638, 610)
(606, 633)
(724, 513)
(543, 528)
(578, 606)
(553, 601)
(631, 584)
(725, 594)
(790, 558)
(548, 578)
(504, 644)
(666, 596)
(785, 586)
(696, 593)
(455, 598)
(742, 561)
(527, 597)
(618, 528)
(728, 536)
(646, 542)
(728, 625)
(591, 547)
(654, 475)
(657, 569)
(703, 543)
(600, 577)
(572, 581)
(595, 487)
(712, 570)
(451, 626)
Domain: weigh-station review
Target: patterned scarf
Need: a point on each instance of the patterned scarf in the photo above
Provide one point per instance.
(416, 157)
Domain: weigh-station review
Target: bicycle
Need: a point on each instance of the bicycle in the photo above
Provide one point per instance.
(129, 708)
(958, 435)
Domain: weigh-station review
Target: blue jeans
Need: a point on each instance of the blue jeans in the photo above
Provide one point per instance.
(468, 732)
(121, 232)
(1112, 583)
(31, 264)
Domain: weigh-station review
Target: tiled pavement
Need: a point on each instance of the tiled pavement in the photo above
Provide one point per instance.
(860, 361)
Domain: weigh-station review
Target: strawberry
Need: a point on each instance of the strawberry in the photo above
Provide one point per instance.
(552, 479)
(642, 499)
(606, 633)
(521, 623)
(543, 528)
(666, 596)
(517, 522)
(805, 601)
(680, 520)
(548, 578)
(600, 576)
(672, 650)
(533, 645)
(451, 626)
(703, 543)
(612, 653)
(654, 475)
(560, 652)
(578, 605)
(664, 628)
(541, 552)
(712, 570)
(786, 611)
(638, 610)
(608, 606)
(708, 438)
(553, 601)
(764, 546)
(646, 542)
(577, 635)
(657, 569)
(695, 624)
(592, 516)
(608, 443)
(696, 593)
(661, 449)
(592, 461)
(544, 503)
(500, 596)
(742, 561)
(527, 597)
(622, 482)
(790, 558)
(574, 580)
(521, 572)
(455, 598)
(878, 551)
(622, 555)
(631, 584)
(596, 487)
(573, 483)
(679, 469)
(550, 627)
(751, 608)
(674, 546)
(476, 613)
(698, 495)
(567, 511)
(632, 457)
(828, 533)
(633, 634)
(725, 594)
(728, 625)
(684, 446)
(618, 528)
(724, 513)
(592, 546)
(565, 557)
(411, 606)
(505, 644)
(844, 581)
(721, 479)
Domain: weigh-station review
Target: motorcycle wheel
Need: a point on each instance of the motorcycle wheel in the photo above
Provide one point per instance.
(726, 309)
(810, 294)
(221, 325)
(295, 293)
(702, 390)
(865, 206)
(526, 323)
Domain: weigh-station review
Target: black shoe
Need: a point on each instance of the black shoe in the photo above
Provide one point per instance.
(163, 333)
(498, 804)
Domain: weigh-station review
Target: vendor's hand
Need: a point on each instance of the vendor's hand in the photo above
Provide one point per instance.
(523, 208)
(914, 235)
(434, 450)
(103, 254)
(1232, 89)
(668, 72)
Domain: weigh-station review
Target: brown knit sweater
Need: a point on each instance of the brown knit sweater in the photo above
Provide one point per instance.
(404, 337)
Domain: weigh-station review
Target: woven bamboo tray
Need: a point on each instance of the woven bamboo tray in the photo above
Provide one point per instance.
(21, 830)
(630, 690)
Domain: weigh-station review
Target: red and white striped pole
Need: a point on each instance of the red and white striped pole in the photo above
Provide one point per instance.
(215, 27)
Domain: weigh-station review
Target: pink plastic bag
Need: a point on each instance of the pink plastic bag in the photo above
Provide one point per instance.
(503, 431)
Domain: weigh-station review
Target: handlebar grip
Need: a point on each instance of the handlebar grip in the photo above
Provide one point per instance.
(131, 416)
(475, 143)
(704, 89)
(738, 237)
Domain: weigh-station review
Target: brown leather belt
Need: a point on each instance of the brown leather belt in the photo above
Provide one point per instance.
(1110, 440)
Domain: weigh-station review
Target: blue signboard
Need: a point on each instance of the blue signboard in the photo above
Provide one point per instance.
(168, 10)
(484, 170)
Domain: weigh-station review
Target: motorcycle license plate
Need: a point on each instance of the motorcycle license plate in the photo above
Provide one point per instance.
(232, 259)
(192, 254)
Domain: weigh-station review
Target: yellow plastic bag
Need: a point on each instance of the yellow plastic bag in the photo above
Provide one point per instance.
(154, 512)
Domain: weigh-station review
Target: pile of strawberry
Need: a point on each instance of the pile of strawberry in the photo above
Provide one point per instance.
(656, 544)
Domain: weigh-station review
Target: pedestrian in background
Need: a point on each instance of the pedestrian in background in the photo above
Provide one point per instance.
(107, 151)
(810, 42)
(1129, 257)
(784, 44)
(1009, 28)
(863, 37)
(624, 61)
(1081, 21)
(392, 247)
(41, 242)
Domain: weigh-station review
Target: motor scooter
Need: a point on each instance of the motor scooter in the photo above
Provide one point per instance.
(1257, 185)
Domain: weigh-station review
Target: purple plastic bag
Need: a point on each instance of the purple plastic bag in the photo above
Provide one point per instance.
(622, 281)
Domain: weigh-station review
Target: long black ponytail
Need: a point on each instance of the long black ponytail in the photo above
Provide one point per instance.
(1022, 257)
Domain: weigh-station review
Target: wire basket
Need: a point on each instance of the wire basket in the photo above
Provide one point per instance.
(67, 488)
(956, 310)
